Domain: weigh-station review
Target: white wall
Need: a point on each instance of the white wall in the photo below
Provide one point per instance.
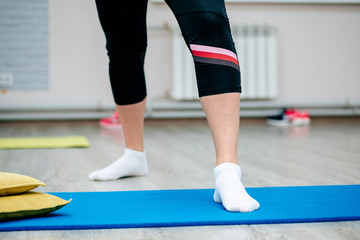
(319, 55)
(319, 49)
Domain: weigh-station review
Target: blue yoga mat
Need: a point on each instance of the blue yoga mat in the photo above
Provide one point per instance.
(170, 208)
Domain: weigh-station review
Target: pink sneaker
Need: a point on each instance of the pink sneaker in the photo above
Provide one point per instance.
(112, 122)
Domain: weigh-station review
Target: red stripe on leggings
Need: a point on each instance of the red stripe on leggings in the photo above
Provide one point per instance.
(215, 56)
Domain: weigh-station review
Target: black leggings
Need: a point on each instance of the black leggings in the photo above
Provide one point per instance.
(205, 28)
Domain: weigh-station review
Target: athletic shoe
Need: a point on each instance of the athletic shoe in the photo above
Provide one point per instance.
(289, 117)
(112, 122)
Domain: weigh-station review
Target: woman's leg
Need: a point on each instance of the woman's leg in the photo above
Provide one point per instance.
(133, 162)
(222, 112)
(132, 119)
(206, 30)
(126, 45)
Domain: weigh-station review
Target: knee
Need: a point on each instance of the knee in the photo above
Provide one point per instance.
(126, 47)
(127, 78)
(208, 21)
(206, 26)
(127, 55)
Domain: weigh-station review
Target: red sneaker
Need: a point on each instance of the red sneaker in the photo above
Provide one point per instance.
(112, 122)
(289, 117)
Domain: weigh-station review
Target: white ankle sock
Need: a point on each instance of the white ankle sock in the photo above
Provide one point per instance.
(230, 191)
(131, 163)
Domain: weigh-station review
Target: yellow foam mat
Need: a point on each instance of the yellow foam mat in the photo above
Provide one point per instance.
(43, 142)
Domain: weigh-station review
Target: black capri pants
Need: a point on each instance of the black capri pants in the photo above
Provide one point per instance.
(205, 27)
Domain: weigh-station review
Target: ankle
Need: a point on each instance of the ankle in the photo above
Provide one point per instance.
(222, 161)
(134, 152)
(133, 147)
(225, 167)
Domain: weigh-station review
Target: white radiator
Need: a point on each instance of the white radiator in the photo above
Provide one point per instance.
(257, 54)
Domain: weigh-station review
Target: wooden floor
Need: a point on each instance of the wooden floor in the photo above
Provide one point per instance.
(181, 156)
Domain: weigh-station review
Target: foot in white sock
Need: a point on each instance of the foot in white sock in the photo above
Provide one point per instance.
(132, 163)
(230, 191)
